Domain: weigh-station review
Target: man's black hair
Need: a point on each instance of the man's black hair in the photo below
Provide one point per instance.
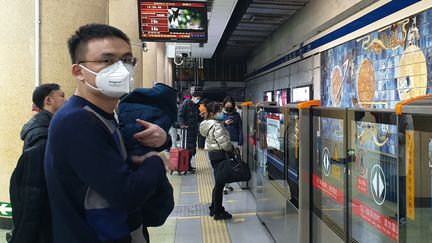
(195, 91)
(77, 42)
(41, 92)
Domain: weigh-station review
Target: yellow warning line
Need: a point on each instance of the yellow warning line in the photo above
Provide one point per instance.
(212, 231)
(188, 192)
(204, 177)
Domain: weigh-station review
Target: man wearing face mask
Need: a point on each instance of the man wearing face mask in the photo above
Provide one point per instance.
(91, 188)
(188, 118)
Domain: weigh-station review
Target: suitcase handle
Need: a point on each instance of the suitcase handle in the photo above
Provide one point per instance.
(184, 138)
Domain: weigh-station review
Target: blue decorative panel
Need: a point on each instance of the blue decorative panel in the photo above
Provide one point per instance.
(381, 68)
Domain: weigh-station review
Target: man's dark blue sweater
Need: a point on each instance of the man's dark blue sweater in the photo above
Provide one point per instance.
(84, 158)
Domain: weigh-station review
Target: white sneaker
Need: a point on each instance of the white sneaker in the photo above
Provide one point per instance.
(226, 190)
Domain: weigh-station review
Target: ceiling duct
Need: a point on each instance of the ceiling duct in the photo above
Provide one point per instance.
(266, 19)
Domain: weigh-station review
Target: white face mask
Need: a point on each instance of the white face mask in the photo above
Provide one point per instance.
(114, 81)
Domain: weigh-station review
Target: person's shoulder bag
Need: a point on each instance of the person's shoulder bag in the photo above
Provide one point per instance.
(232, 170)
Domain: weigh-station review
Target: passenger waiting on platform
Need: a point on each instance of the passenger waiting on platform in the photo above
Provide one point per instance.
(90, 187)
(233, 123)
(203, 115)
(48, 98)
(188, 118)
(173, 132)
(28, 193)
(220, 147)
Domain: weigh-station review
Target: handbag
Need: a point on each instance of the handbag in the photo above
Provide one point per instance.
(232, 170)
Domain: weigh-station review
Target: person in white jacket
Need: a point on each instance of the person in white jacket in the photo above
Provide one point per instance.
(219, 144)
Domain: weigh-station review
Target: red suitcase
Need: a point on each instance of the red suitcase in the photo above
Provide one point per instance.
(179, 157)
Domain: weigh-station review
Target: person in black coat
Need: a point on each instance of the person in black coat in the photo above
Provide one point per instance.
(47, 98)
(28, 192)
(188, 118)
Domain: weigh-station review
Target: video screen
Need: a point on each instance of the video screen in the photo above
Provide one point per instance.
(268, 96)
(185, 19)
(301, 94)
(173, 21)
(282, 97)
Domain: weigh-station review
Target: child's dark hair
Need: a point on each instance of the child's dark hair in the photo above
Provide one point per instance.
(77, 42)
(213, 107)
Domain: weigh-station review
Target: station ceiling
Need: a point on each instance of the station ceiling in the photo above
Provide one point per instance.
(238, 26)
(253, 21)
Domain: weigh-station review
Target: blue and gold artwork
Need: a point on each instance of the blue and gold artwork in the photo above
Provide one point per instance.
(381, 68)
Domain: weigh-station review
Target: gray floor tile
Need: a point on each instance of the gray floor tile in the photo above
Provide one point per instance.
(188, 198)
(247, 229)
(188, 230)
(3, 235)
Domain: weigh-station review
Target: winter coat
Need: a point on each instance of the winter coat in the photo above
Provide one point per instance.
(188, 115)
(31, 212)
(217, 137)
(234, 129)
(156, 105)
(36, 129)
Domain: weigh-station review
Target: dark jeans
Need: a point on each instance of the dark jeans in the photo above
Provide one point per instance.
(217, 194)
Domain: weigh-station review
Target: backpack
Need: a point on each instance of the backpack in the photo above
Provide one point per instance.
(31, 214)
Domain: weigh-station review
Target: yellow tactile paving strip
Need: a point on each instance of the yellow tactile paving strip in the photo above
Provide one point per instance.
(204, 177)
(212, 231)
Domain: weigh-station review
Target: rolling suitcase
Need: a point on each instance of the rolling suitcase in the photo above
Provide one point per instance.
(179, 157)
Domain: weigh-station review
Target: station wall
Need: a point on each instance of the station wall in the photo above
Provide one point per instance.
(304, 72)
(380, 68)
(313, 18)
(381, 47)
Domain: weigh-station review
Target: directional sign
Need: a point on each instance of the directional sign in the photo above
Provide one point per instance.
(5, 209)
(377, 180)
(326, 163)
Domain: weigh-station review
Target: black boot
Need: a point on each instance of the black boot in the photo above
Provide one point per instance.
(222, 216)
(191, 169)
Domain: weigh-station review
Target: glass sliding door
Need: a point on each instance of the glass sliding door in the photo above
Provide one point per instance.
(328, 171)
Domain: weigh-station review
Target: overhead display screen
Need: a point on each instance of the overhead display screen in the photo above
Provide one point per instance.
(173, 21)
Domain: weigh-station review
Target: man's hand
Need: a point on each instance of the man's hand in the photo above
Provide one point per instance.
(183, 126)
(153, 136)
(138, 160)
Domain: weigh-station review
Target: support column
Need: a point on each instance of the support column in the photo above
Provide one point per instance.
(160, 69)
(123, 15)
(17, 69)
